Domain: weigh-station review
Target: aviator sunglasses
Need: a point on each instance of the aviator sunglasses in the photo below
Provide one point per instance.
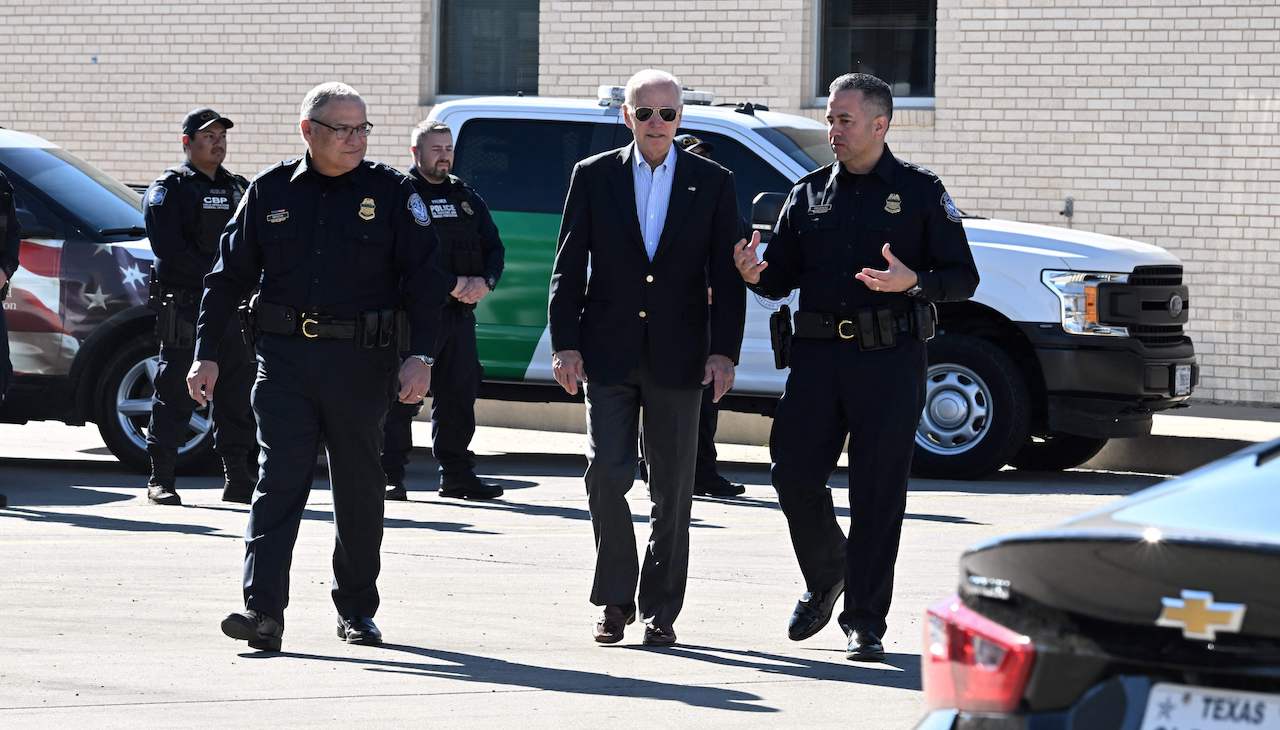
(642, 113)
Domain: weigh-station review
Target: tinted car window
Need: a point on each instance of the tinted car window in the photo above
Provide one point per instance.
(751, 174)
(519, 165)
(89, 195)
(33, 211)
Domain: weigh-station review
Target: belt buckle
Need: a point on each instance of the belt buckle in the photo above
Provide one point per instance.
(306, 321)
(840, 329)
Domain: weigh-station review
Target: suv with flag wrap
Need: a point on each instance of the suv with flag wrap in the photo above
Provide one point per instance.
(81, 335)
(1072, 337)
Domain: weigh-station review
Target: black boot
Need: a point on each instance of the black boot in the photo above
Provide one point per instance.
(160, 489)
(239, 483)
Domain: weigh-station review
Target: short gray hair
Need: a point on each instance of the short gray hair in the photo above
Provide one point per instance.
(430, 126)
(320, 96)
(651, 76)
(873, 89)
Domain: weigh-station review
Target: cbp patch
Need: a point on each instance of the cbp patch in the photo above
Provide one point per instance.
(419, 210)
(949, 205)
(157, 195)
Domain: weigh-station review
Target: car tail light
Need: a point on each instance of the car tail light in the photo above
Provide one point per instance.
(971, 662)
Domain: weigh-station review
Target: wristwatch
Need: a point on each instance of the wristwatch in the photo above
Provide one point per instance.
(915, 291)
(428, 361)
(492, 283)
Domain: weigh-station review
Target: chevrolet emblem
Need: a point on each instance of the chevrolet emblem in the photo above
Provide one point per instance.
(1199, 617)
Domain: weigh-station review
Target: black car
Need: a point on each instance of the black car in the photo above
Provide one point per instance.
(1158, 612)
(81, 335)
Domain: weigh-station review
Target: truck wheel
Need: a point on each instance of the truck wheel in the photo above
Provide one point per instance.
(122, 410)
(1056, 452)
(976, 412)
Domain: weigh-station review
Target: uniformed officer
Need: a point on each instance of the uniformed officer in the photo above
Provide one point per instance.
(871, 242)
(471, 255)
(185, 211)
(8, 265)
(343, 250)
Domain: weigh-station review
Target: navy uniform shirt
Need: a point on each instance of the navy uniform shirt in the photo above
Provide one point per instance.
(185, 212)
(333, 246)
(834, 224)
(444, 203)
(8, 229)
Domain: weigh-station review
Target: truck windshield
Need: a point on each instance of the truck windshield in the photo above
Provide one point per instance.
(807, 146)
(98, 200)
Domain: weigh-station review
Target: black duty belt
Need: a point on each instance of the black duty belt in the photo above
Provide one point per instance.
(872, 328)
(375, 328)
(180, 296)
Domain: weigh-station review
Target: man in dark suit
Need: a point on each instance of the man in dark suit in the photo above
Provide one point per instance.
(657, 224)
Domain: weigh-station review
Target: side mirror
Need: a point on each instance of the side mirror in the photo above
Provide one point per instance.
(765, 210)
(29, 227)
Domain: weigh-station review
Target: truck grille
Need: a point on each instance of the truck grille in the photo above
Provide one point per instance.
(1143, 304)
(1156, 276)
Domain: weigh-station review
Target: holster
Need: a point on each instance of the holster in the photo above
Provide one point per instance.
(248, 321)
(926, 321)
(780, 333)
(172, 329)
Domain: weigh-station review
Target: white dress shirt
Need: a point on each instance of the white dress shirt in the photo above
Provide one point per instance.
(653, 193)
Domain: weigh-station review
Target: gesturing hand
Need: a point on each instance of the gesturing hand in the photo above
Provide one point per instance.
(744, 258)
(718, 373)
(566, 365)
(896, 278)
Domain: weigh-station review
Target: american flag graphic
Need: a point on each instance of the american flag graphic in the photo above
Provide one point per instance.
(63, 290)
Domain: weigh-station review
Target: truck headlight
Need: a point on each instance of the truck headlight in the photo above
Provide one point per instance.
(1077, 291)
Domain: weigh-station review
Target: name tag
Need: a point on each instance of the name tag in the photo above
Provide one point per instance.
(819, 209)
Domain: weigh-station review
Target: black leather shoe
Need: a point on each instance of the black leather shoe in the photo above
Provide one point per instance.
(864, 646)
(261, 631)
(162, 493)
(238, 480)
(396, 493)
(473, 488)
(813, 611)
(612, 622)
(721, 488)
(359, 630)
(658, 635)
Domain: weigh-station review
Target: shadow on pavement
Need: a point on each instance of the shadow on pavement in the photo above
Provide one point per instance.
(907, 676)
(98, 522)
(488, 670)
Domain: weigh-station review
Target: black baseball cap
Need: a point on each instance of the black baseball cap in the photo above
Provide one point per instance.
(689, 143)
(198, 119)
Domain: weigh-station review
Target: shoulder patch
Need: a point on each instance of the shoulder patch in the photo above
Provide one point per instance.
(156, 195)
(949, 206)
(419, 210)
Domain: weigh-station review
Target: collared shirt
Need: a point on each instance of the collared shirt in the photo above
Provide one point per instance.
(835, 223)
(653, 193)
(334, 246)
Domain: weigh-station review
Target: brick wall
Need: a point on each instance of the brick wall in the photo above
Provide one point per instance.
(1160, 118)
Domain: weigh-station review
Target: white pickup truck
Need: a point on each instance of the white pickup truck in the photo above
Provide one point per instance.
(1072, 337)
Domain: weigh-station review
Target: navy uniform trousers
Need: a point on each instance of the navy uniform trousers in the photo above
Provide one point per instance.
(455, 384)
(308, 391)
(172, 406)
(834, 389)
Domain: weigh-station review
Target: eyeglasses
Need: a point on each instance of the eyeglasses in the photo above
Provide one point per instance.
(344, 132)
(642, 113)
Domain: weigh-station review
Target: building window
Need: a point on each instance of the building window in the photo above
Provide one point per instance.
(488, 47)
(892, 39)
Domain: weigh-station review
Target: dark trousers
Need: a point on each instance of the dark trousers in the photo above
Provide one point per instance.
(670, 418)
(308, 391)
(455, 383)
(704, 470)
(172, 406)
(875, 397)
(6, 366)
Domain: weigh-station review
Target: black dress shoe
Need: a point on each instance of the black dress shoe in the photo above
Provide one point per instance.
(864, 646)
(396, 493)
(612, 622)
(813, 611)
(720, 488)
(163, 493)
(359, 630)
(464, 488)
(238, 492)
(260, 630)
(658, 635)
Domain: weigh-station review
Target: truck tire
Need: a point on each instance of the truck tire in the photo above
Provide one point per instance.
(122, 410)
(1056, 452)
(976, 413)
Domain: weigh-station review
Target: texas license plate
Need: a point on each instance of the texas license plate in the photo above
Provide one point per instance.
(1179, 707)
(1181, 379)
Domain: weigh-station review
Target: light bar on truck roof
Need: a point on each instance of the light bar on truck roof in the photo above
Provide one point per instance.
(616, 95)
